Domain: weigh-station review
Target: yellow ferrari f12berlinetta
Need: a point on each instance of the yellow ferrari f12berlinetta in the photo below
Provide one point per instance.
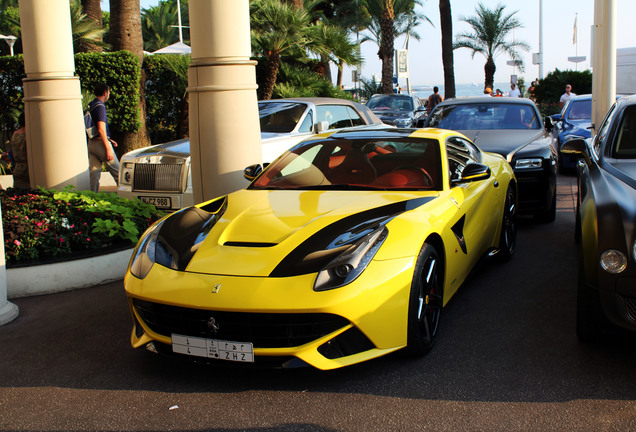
(345, 248)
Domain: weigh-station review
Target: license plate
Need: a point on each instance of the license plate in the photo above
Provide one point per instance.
(157, 202)
(213, 348)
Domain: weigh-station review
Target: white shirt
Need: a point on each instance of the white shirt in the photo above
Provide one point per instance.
(566, 97)
(514, 93)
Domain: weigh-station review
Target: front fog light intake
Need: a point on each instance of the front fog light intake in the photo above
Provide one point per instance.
(613, 261)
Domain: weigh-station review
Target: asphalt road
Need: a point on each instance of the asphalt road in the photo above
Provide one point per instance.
(507, 360)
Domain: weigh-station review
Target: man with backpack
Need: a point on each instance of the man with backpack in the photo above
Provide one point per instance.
(100, 147)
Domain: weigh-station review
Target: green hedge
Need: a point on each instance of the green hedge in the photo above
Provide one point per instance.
(11, 74)
(166, 98)
(120, 70)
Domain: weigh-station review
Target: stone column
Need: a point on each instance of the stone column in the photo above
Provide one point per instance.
(8, 311)
(56, 140)
(224, 122)
(603, 61)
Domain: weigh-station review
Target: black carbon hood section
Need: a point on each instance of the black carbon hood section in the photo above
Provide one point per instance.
(345, 231)
(183, 232)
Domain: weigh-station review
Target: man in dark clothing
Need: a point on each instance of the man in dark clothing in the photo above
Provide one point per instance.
(434, 99)
(100, 148)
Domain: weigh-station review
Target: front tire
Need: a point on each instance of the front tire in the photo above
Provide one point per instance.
(508, 238)
(425, 302)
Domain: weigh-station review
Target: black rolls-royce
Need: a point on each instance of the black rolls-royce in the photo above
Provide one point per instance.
(513, 128)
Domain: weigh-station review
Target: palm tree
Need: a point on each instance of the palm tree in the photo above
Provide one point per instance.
(93, 11)
(446, 24)
(490, 29)
(332, 44)
(87, 33)
(384, 15)
(125, 34)
(276, 28)
(159, 24)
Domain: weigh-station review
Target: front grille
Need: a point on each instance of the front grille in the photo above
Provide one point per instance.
(158, 177)
(630, 308)
(264, 330)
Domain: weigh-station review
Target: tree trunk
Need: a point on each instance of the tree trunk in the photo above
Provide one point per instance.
(489, 71)
(125, 34)
(326, 67)
(446, 24)
(340, 73)
(298, 4)
(93, 11)
(386, 50)
(273, 62)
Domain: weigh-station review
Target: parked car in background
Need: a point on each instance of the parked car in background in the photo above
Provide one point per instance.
(344, 249)
(605, 223)
(513, 128)
(400, 110)
(161, 175)
(573, 122)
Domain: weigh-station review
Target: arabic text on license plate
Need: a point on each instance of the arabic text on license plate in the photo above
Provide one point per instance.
(213, 348)
(157, 202)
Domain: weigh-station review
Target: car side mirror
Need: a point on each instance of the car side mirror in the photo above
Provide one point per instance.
(556, 117)
(549, 123)
(322, 126)
(421, 108)
(473, 172)
(575, 147)
(252, 171)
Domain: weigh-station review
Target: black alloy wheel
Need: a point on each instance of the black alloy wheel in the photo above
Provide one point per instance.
(508, 239)
(425, 302)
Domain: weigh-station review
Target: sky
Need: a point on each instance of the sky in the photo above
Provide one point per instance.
(425, 55)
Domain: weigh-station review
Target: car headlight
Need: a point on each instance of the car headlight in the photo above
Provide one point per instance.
(144, 256)
(403, 122)
(522, 164)
(347, 266)
(126, 174)
(613, 261)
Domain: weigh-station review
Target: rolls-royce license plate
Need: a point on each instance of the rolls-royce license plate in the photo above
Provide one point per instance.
(157, 201)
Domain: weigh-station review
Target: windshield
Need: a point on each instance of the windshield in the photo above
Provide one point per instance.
(581, 110)
(484, 116)
(390, 103)
(280, 117)
(339, 164)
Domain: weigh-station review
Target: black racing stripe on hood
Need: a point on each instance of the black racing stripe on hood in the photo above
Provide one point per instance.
(183, 232)
(334, 236)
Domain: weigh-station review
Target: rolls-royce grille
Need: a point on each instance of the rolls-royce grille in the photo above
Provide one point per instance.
(158, 177)
(264, 330)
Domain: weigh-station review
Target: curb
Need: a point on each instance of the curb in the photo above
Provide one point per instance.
(67, 275)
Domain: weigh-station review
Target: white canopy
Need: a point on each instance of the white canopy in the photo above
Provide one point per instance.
(175, 48)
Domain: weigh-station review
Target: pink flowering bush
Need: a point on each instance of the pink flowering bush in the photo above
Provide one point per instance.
(45, 224)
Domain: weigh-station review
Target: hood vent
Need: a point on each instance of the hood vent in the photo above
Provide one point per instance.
(249, 244)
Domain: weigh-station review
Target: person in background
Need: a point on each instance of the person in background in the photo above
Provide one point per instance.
(514, 91)
(100, 149)
(487, 91)
(567, 95)
(20, 167)
(434, 99)
(498, 93)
